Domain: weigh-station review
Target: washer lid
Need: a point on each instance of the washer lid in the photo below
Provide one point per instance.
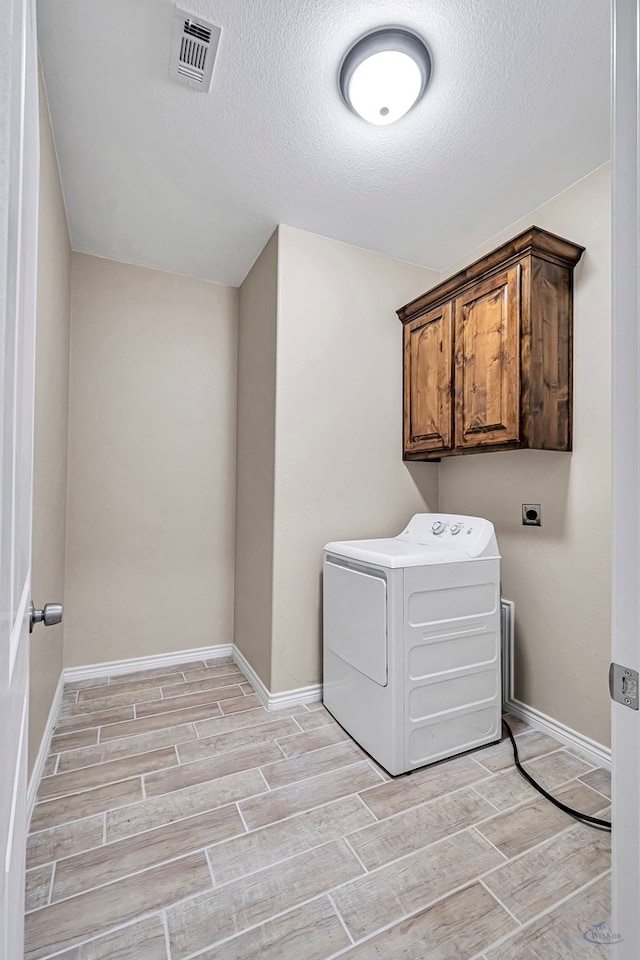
(427, 538)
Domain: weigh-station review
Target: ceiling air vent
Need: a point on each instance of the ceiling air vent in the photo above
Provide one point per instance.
(195, 43)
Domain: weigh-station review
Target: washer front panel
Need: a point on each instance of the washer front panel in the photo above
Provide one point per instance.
(355, 618)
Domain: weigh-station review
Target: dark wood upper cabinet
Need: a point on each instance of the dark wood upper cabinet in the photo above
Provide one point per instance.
(487, 353)
(428, 363)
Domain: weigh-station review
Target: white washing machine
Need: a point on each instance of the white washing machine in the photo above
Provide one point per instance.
(411, 645)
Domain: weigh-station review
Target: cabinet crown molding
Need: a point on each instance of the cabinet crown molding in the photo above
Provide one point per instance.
(534, 241)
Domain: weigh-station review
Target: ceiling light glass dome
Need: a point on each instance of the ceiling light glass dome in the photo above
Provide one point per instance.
(384, 74)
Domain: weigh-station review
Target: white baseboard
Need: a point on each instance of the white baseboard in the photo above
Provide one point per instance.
(593, 752)
(276, 701)
(47, 733)
(272, 701)
(113, 667)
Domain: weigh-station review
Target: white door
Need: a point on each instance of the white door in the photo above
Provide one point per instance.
(626, 473)
(19, 162)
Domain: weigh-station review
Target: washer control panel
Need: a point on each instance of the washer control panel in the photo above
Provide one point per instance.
(443, 526)
(450, 533)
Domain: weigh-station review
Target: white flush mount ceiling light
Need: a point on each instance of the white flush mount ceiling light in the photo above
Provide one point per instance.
(384, 74)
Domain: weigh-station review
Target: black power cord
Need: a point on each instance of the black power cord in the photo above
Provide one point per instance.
(585, 818)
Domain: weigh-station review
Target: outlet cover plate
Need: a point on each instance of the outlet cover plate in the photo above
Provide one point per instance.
(532, 514)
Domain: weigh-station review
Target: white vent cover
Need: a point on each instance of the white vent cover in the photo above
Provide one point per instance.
(195, 43)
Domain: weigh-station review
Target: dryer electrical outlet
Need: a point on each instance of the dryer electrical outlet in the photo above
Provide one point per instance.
(411, 648)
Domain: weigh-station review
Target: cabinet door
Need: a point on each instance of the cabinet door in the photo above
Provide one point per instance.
(428, 368)
(487, 367)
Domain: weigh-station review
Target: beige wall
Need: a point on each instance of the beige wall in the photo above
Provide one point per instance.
(150, 533)
(338, 470)
(51, 411)
(255, 460)
(559, 574)
(152, 458)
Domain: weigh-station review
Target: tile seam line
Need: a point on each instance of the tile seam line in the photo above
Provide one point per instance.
(115, 678)
(539, 916)
(345, 838)
(135, 733)
(106, 844)
(165, 927)
(396, 920)
(113, 706)
(194, 693)
(104, 814)
(166, 823)
(486, 799)
(568, 829)
(315, 776)
(61, 731)
(242, 820)
(210, 867)
(226, 753)
(344, 797)
(538, 756)
(42, 804)
(282, 751)
(64, 823)
(480, 876)
(212, 736)
(151, 681)
(497, 849)
(233, 678)
(132, 803)
(292, 783)
(100, 763)
(517, 807)
(511, 809)
(108, 783)
(168, 697)
(408, 916)
(554, 786)
(495, 897)
(89, 816)
(373, 766)
(294, 816)
(307, 753)
(212, 780)
(129, 876)
(367, 873)
(421, 850)
(80, 943)
(214, 886)
(608, 799)
(254, 926)
(170, 727)
(421, 803)
(51, 883)
(340, 919)
(69, 728)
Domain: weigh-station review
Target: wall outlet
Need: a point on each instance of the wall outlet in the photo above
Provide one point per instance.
(532, 514)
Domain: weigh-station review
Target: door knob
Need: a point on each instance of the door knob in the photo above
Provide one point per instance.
(50, 614)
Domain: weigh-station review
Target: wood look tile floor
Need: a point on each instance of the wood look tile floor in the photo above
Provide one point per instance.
(179, 819)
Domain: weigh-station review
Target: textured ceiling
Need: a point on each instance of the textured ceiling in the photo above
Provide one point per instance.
(157, 174)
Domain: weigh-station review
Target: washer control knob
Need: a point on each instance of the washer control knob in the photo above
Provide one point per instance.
(456, 528)
(438, 527)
